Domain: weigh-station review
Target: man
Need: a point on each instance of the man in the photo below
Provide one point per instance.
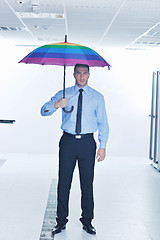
(77, 143)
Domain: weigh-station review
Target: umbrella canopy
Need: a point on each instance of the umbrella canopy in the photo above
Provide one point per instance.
(65, 53)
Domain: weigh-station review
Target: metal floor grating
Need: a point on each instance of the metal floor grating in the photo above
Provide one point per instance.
(49, 220)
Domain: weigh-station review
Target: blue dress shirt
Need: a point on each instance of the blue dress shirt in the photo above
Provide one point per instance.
(93, 112)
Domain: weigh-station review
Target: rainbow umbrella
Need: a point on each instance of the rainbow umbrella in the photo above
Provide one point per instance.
(65, 54)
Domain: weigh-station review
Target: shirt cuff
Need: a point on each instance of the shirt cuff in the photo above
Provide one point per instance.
(50, 109)
(102, 145)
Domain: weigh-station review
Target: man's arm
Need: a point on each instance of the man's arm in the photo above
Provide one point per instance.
(50, 107)
(103, 129)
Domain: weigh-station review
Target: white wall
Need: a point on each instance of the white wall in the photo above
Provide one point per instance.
(25, 88)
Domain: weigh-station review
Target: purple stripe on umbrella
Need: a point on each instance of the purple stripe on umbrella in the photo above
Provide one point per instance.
(67, 62)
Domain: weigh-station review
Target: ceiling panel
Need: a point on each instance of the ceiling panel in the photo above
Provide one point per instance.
(7, 16)
(47, 30)
(97, 16)
(105, 23)
(45, 5)
(133, 20)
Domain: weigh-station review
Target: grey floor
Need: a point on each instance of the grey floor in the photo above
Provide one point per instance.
(127, 199)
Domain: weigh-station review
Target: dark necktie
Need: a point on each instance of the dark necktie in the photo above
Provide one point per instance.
(79, 112)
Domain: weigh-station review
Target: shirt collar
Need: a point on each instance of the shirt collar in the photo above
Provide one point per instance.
(76, 88)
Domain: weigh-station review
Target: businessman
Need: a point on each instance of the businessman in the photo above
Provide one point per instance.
(77, 144)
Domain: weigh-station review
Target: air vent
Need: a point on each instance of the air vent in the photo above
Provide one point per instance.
(147, 43)
(51, 39)
(136, 49)
(148, 39)
(10, 29)
(152, 33)
(40, 15)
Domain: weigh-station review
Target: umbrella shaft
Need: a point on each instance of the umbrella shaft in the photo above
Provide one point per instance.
(64, 81)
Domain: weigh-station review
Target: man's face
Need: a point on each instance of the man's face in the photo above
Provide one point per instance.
(81, 75)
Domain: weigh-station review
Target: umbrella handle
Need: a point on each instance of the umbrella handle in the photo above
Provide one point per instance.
(69, 110)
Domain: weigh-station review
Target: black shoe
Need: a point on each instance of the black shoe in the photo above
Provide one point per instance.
(89, 228)
(58, 228)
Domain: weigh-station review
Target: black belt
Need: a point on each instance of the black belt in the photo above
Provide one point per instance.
(78, 136)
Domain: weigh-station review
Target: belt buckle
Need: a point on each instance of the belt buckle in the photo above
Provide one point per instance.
(78, 136)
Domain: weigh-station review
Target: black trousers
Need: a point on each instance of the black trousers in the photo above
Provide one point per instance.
(71, 150)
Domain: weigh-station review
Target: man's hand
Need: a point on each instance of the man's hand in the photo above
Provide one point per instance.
(61, 103)
(101, 154)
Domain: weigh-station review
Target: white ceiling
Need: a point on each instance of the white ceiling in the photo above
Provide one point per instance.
(95, 23)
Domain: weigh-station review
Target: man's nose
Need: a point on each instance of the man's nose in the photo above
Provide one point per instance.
(82, 76)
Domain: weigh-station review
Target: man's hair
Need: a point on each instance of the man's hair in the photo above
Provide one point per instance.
(80, 65)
